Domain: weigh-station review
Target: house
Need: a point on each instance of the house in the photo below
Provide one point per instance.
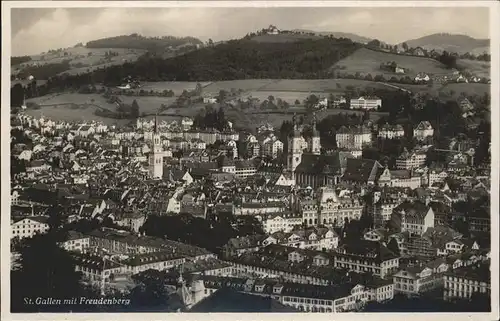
(411, 160)
(419, 51)
(391, 131)
(415, 217)
(399, 178)
(132, 220)
(76, 242)
(276, 222)
(240, 245)
(272, 30)
(366, 103)
(399, 70)
(423, 130)
(209, 100)
(30, 226)
(422, 77)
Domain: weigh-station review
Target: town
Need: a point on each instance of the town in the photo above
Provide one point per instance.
(352, 192)
(333, 231)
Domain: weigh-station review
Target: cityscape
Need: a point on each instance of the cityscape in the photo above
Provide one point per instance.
(284, 167)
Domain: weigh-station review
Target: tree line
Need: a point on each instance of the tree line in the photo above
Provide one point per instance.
(136, 41)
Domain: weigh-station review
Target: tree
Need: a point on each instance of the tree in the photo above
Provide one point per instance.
(134, 112)
(297, 102)
(150, 290)
(405, 46)
(47, 271)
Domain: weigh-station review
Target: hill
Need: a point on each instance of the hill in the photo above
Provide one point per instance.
(135, 41)
(237, 59)
(71, 61)
(352, 36)
(367, 61)
(451, 43)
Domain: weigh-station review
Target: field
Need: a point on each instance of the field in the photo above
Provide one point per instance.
(148, 105)
(288, 96)
(68, 113)
(82, 59)
(366, 61)
(74, 106)
(176, 86)
(246, 85)
(478, 68)
(316, 85)
(469, 89)
(72, 98)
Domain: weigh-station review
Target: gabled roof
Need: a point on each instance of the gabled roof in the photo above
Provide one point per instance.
(362, 170)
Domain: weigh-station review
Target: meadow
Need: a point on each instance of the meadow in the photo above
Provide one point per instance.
(245, 84)
(455, 89)
(288, 96)
(476, 67)
(366, 61)
(317, 85)
(176, 86)
(83, 59)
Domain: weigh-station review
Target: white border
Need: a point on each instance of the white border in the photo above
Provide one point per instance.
(5, 164)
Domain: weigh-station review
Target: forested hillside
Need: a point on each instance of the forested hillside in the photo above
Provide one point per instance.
(135, 41)
(238, 59)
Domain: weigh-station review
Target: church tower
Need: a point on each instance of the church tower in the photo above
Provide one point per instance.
(294, 147)
(315, 140)
(156, 155)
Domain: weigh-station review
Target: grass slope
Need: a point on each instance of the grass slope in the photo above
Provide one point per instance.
(366, 61)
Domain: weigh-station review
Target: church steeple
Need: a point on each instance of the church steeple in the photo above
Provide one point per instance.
(156, 154)
(315, 139)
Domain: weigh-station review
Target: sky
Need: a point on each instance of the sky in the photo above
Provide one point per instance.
(35, 30)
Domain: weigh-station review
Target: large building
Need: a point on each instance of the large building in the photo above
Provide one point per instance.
(329, 209)
(366, 103)
(366, 256)
(353, 138)
(29, 226)
(464, 282)
(415, 217)
(297, 145)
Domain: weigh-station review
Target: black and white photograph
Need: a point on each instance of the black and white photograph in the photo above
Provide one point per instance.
(223, 157)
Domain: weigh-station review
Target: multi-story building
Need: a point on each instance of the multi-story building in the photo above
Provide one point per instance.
(366, 103)
(415, 217)
(316, 238)
(463, 282)
(284, 222)
(329, 209)
(272, 147)
(399, 178)
(353, 138)
(418, 279)
(366, 256)
(411, 160)
(30, 226)
(391, 131)
(76, 242)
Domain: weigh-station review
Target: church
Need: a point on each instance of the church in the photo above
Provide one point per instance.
(308, 165)
(156, 155)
